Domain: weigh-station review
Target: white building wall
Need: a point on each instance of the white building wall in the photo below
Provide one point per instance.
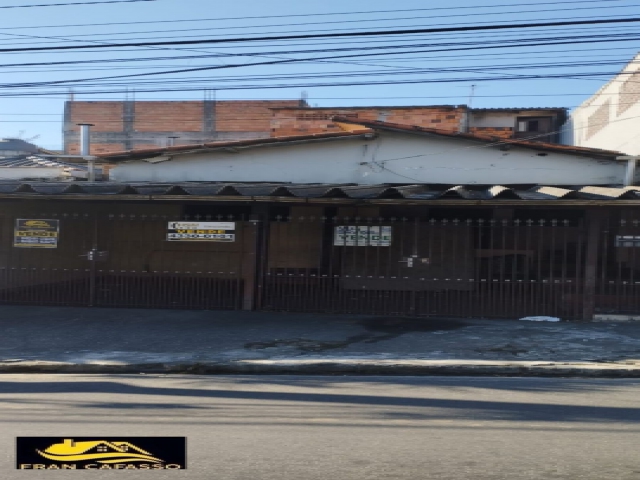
(389, 158)
(21, 173)
(610, 119)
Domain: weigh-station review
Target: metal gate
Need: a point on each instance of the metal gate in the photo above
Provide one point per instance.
(403, 266)
(618, 271)
(388, 266)
(123, 260)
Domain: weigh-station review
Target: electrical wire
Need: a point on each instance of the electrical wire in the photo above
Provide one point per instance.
(306, 15)
(360, 21)
(401, 69)
(193, 57)
(338, 41)
(329, 35)
(276, 62)
(73, 4)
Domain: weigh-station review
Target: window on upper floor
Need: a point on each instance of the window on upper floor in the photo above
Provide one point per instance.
(530, 127)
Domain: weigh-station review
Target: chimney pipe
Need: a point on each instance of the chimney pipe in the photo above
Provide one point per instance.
(85, 148)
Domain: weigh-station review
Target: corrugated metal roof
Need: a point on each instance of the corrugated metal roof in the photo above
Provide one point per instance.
(17, 144)
(319, 191)
(36, 161)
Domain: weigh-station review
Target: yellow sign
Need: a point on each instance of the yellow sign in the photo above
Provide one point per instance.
(36, 233)
(201, 231)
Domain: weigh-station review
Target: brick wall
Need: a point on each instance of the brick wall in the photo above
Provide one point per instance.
(136, 125)
(246, 116)
(300, 121)
(500, 132)
(96, 148)
(106, 116)
(168, 116)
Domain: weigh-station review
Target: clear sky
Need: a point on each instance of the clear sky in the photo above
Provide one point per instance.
(433, 68)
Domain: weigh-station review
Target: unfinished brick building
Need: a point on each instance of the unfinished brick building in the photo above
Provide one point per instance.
(542, 123)
(132, 125)
(288, 121)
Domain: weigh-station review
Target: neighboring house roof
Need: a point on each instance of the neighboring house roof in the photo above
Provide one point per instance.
(149, 152)
(519, 109)
(543, 146)
(36, 161)
(401, 107)
(324, 193)
(385, 107)
(17, 145)
(357, 129)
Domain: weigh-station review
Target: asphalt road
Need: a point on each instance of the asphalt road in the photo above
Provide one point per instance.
(340, 428)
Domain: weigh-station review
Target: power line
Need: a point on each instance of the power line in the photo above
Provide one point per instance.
(359, 21)
(620, 61)
(356, 73)
(333, 61)
(342, 84)
(77, 3)
(191, 57)
(563, 40)
(271, 62)
(311, 14)
(332, 42)
(329, 35)
(150, 99)
(439, 36)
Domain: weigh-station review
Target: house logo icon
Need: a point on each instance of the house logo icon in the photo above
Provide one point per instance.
(100, 451)
(37, 223)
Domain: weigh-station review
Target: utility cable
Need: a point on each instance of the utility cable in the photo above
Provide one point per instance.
(73, 4)
(307, 15)
(330, 35)
(270, 62)
(193, 57)
(359, 21)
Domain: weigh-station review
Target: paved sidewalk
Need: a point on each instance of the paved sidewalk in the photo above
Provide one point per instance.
(48, 339)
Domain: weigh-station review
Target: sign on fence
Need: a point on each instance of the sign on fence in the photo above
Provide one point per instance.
(362, 236)
(36, 233)
(201, 231)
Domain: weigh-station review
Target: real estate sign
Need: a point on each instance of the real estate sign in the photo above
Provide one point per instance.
(201, 231)
(36, 233)
(362, 236)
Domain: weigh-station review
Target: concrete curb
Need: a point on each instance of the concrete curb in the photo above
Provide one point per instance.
(342, 367)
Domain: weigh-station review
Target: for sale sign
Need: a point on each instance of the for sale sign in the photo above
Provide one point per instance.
(201, 232)
(36, 233)
(362, 236)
